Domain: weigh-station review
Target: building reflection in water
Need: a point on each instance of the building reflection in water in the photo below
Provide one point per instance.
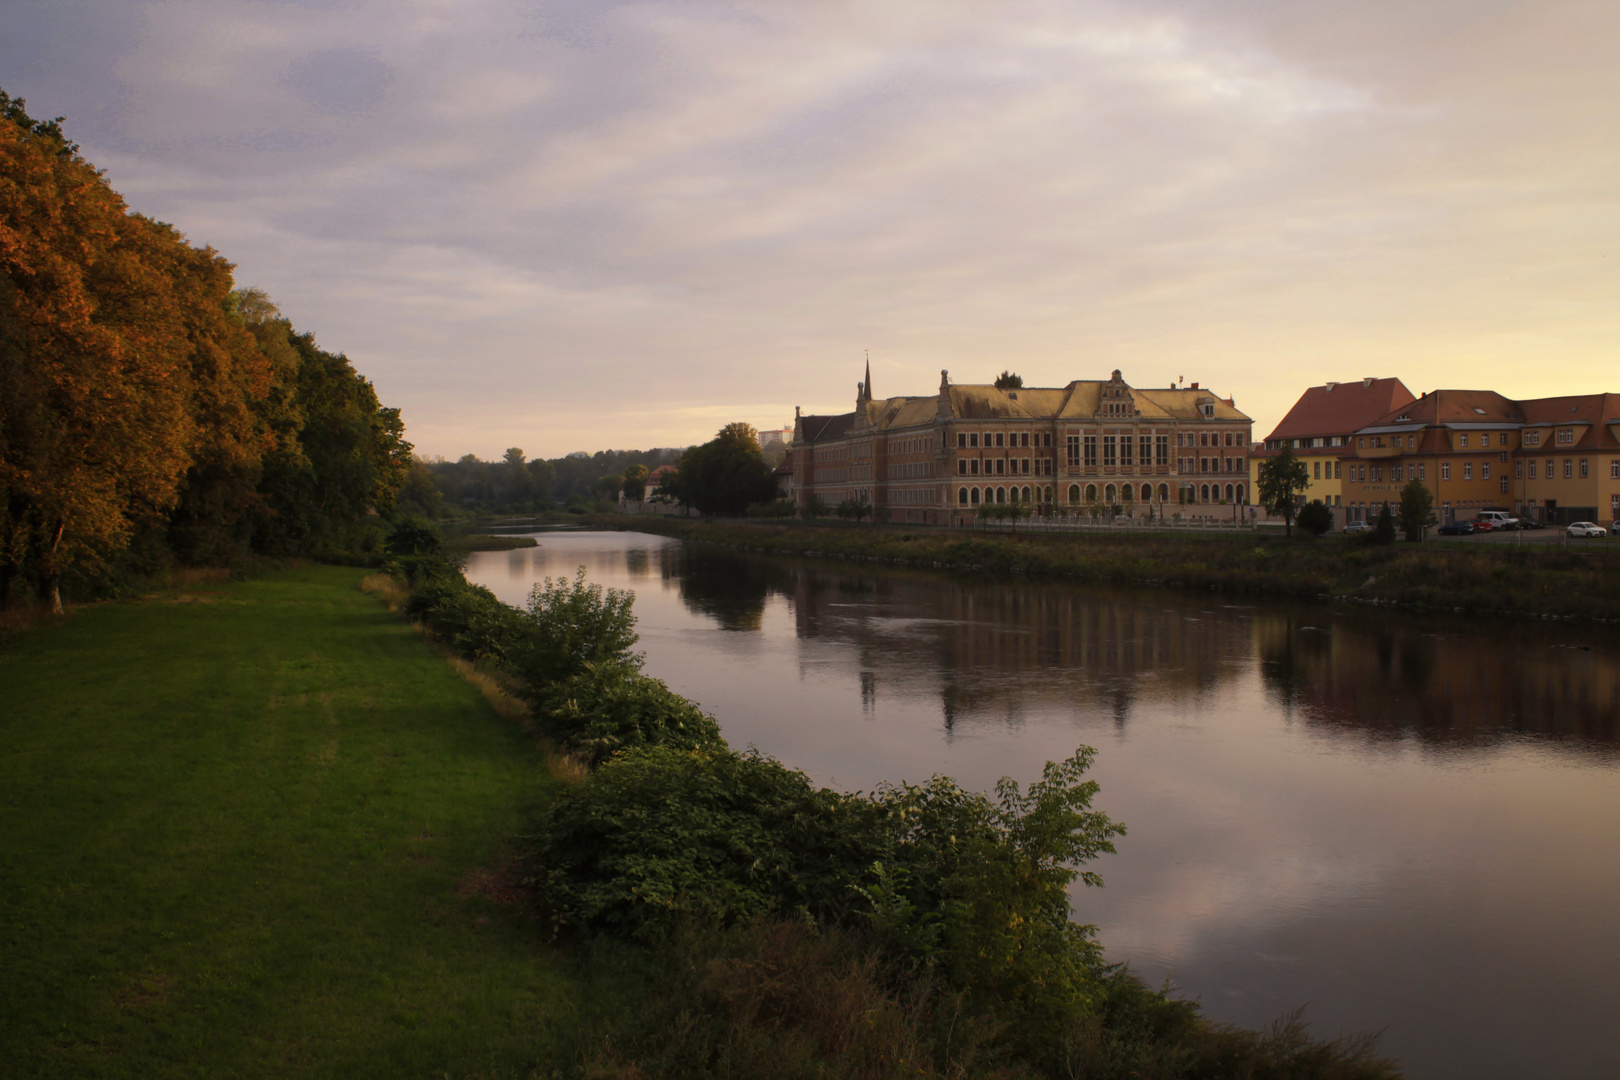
(1001, 651)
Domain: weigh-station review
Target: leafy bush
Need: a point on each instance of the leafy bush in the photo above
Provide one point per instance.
(573, 625)
(468, 618)
(1315, 517)
(608, 708)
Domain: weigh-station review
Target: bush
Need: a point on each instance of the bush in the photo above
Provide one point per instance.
(1315, 517)
(607, 709)
(468, 618)
(573, 625)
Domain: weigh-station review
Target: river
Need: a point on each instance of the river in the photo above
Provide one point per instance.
(1398, 823)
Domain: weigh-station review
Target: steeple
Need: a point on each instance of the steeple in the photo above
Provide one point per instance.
(868, 383)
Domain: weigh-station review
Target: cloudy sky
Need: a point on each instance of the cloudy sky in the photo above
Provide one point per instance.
(573, 225)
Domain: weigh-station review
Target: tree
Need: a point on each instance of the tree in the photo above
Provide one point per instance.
(815, 507)
(1384, 531)
(1008, 381)
(726, 474)
(1417, 510)
(1282, 478)
(1316, 517)
(635, 483)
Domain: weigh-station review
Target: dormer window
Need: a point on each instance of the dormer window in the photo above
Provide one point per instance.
(1479, 410)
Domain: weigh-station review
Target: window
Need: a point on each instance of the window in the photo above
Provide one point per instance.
(961, 443)
(1074, 451)
(1532, 438)
(1468, 471)
(1001, 466)
(961, 496)
(1445, 470)
(1025, 437)
(1532, 470)
(1394, 472)
(1026, 467)
(1518, 470)
(1046, 439)
(1504, 485)
(973, 438)
(1316, 470)
(1549, 468)
(1091, 451)
(1144, 450)
(1614, 470)
(973, 466)
(1583, 468)
(974, 496)
(1568, 469)
(1125, 450)
(1484, 471)
(1161, 451)
(1110, 451)
(1422, 472)
(1377, 472)
(961, 466)
(1001, 439)
(1337, 469)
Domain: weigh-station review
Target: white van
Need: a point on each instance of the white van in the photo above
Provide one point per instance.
(1499, 519)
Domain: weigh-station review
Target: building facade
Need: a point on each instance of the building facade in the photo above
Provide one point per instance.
(1554, 460)
(1091, 444)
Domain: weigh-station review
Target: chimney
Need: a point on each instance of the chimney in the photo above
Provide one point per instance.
(1329, 387)
(1368, 381)
(1195, 386)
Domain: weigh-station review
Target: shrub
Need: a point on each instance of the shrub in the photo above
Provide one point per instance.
(573, 625)
(468, 618)
(1315, 517)
(610, 708)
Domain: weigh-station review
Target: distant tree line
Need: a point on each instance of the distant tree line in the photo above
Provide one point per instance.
(151, 411)
(515, 485)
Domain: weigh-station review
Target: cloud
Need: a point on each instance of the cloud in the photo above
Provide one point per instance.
(511, 214)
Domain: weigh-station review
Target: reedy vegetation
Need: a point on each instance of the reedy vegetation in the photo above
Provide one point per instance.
(921, 929)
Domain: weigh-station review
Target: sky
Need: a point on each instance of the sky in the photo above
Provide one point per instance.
(575, 226)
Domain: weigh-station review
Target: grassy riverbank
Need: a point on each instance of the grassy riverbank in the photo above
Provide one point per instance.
(1482, 580)
(262, 829)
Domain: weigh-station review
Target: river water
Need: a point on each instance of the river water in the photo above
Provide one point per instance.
(1399, 823)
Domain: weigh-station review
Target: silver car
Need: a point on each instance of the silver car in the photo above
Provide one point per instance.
(1586, 528)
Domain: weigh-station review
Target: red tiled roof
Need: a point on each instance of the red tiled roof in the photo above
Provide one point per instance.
(1340, 408)
(1454, 407)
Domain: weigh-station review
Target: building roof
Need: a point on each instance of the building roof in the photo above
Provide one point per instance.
(822, 428)
(1340, 408)
(1464, 409)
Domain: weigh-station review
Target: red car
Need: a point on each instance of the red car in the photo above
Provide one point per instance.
(1484, 525)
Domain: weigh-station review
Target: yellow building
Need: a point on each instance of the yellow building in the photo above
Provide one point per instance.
(1321, 427)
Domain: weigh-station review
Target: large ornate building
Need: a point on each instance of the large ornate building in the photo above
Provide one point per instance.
(938, 459)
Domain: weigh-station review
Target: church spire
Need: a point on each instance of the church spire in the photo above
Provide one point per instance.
(869, 375)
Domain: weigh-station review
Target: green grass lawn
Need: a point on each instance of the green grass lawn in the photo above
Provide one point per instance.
(260, 830)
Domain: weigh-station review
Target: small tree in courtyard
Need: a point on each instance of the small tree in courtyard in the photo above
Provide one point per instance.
(1417, 510)
(1282, 479)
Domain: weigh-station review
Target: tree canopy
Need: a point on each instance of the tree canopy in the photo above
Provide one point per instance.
(1280, 483)
(727, 474)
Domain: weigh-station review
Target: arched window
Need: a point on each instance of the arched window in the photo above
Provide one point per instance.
(1203, 493)
(1109, 494)
(1147, 492)
(961, 496)
(1164, 493)
(1074, 493)
(1048, 494)
(1242, 494)
(1001, 495)
(974, 496)
(1025, 495)
(1091, 493)
(1128, 491)
(1229, 492)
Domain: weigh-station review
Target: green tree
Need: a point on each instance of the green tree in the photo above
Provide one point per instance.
(1417, 510)
(815, 507)
(1384, 531)
(1282, 478)
(726, 474)
(1008, 381)
(635, 483)
(1316, 517)
(574, 626)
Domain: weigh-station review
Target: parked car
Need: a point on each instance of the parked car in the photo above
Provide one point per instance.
(1354, 527)
(1498, 519)
(1585, 528)
(1457, 528)
(1531, 523)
